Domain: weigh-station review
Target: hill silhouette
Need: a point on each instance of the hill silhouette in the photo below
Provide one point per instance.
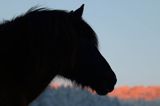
(75, 96)
(123, 92)
(148, 93)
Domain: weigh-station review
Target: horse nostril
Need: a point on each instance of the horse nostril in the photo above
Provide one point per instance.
(115, 80)
(99, 92)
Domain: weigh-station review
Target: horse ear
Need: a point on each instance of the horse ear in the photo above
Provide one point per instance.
(78, 13)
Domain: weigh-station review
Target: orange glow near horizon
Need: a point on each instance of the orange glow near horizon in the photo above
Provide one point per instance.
(136, 92)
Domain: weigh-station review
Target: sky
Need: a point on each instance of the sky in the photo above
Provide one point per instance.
(128, 33)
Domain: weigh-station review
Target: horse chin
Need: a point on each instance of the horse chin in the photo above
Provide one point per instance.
(103, 92)
(97, 91)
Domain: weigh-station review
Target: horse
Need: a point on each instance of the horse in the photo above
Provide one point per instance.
(42, 43)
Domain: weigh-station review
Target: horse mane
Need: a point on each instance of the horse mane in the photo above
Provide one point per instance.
(63, 15)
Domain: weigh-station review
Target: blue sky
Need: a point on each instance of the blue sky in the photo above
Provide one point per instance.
(128, 32)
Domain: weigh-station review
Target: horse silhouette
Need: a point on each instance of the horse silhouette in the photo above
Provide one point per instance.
(43, 43)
